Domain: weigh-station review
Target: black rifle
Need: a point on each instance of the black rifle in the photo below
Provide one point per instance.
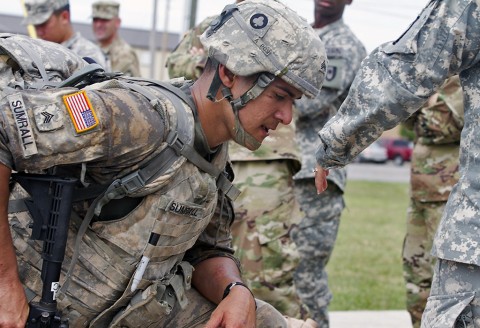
(50, 207)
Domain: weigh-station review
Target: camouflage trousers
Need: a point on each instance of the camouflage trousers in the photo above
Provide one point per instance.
(99, 298)
(315, 238)
(264, 213)
(454, 300)
(422, 221)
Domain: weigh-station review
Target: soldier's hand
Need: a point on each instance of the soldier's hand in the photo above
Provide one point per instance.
(13, 305)
(237, 310)
(321, 179)
(194, 51)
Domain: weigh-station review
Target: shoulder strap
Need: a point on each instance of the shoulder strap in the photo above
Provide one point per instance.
(180, 141)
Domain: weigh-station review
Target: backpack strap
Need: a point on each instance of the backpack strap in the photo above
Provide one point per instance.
(39, 64)
(179, 142)
(78, 76)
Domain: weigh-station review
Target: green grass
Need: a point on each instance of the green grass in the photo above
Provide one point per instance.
(365, 271)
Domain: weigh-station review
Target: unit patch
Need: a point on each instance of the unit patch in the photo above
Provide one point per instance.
(258, 21)
(335, 73)
(81, 111)
(24, 127)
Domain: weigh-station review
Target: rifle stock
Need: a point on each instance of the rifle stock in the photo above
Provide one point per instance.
(50, 208)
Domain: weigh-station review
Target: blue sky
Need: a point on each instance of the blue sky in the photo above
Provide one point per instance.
(374, 21)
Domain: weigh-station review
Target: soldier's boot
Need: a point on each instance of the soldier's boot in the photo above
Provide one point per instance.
(297, 323)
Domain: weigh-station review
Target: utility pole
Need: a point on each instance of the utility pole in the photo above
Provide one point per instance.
(193, 13)
(153, 37)
(165, 39)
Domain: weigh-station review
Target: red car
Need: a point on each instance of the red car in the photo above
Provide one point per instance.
(398, 150)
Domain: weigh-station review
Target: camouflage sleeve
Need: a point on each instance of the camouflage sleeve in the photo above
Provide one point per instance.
(181, 62)
(440, 120)
(398, 77)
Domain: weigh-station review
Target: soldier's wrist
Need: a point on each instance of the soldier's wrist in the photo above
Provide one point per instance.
(234, 284)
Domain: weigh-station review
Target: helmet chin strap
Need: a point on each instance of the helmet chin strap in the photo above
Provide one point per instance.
(241, 136)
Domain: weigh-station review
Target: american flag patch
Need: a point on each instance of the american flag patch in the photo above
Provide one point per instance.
(81, 111)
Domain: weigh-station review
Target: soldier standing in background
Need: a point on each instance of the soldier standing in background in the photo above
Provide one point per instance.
(188, 58)
(265, 212)
(433, 173)
(52, 22)
(181, 212)
(315, 236)
(395, 81)
(266, 209)
(106, 24)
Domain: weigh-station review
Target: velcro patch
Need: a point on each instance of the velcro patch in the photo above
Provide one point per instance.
(81, 111)
(24, 127)
(335, 73)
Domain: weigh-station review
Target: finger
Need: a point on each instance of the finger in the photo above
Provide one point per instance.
(214, 322)
(321, 179)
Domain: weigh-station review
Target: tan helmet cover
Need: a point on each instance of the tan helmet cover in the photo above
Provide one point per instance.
(267, 36)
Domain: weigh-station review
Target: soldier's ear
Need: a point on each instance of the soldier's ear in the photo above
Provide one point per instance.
(226, 76)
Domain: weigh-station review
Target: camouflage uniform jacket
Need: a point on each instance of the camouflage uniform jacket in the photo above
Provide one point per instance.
(85, 48)
(181, 62)
(345, 53)
(280, 144)
(394, 81)
(180, 204)
(437, 127)
(122, 57)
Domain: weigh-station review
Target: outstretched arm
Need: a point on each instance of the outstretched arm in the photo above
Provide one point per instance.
(13, 303)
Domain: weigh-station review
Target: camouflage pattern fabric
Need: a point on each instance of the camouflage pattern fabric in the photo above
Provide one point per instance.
(315, 238)
(19, 70)
(201, 309)
(85, 48)
(395, 80)
(110, 249)
(422, 222)
(266, 208)
(271, 38)
(453, 294)
(433, 173)
(122, 57)
(265, 212)
(345, 53)
(105, 9)
(39, 11)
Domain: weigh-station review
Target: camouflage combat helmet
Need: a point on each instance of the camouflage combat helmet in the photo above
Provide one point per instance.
(39, 11)
(266, 36)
